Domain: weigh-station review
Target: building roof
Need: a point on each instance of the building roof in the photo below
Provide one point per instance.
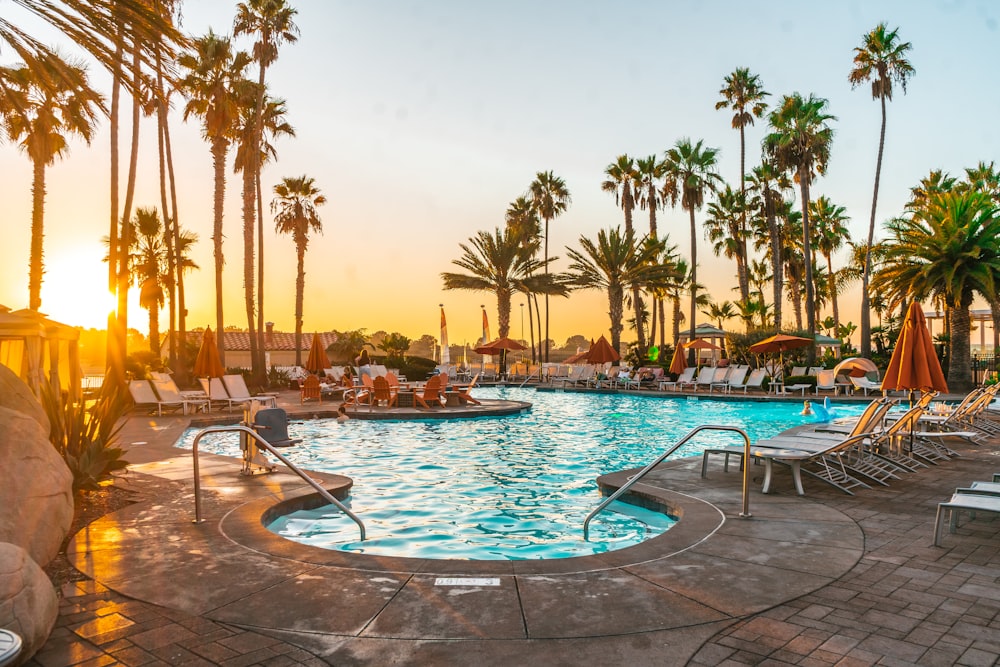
(274, 341)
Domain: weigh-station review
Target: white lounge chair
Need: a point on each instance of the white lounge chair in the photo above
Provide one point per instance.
(143, 395)
(970, 499)
(706, 376)
(685, 377)
(866, 385)
(755, 381)
(217, 393)
(736, 377)
(826, 381)
(237, 389)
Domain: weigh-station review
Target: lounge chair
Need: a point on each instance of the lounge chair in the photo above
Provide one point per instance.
(826, 381)
(384, 392)
(969, 499)
(685, 378)
(755, 381)
(272, 425)
(706, 376)
(866, 385)
(737, 376)
(237, 389)
(216, 392)
(463, 392)
(814, 370)
(310, 390)
(168, 394)
(798, 370)
(143, 395)
(431, 395)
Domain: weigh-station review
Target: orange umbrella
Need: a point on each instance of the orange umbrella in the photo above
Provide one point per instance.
(317, 360)
(601, 352)
(914, 365)
(207, 364)
(780, 343)
(679, 362)
(499, 345)
(701, 344)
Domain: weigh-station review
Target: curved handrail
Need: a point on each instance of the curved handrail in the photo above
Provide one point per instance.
(635, 478)
(263, 444)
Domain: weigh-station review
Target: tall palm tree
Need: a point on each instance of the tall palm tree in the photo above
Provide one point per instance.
(725, 227)
(39, 115)
(522, 221)
(295, 202)
(744, 94)
(614, 263)
(720, 312)
(214, 83)
(948, 249)
(881, 59)
(831, 232)
(551, 198)
(800, 141)
(272, 23)
(496, 263)
(648, 181)
(149, 268)
(691, 167)
(768, 185)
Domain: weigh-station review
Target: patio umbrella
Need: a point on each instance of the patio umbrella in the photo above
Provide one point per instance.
(855, 367)
(576, 358)
(500, 346)
(317, 361)
(914, 365)
(702, 344)
(679, 362)
(779, 343)
(207, 364)
(601, 352)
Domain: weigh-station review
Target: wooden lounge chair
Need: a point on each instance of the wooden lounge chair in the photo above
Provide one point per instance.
(384, 393)
(463, 391)
(431, 395)
(310, 390)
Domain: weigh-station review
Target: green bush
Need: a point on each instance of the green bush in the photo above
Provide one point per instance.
(86, 437)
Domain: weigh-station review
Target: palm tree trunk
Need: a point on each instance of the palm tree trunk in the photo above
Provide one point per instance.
(544, 342)
(219, 163)
(777, 262)
(677, 318)
(126, 241)
(531, 327)
(616, 300)
(663, 322)
(866, 317)
(741, 243)
(995, 316)
(833, 294)
(300, 289)
(115, 360)
(796, 290)
(249, 215)
(538, 319)
(35, 264)
(154, 328)
(181, 370)
(652, 320)
(807, 259)
(960, 360)
(694, 283)
(260, 272)
(168, 222)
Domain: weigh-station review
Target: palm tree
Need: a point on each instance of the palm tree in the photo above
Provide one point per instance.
(271, 21)
(831, 231)
(295, 202)
(800, 141)
(691, 169)
(522, 221)
(551, 198)
(881, 59)
(744, 94)
(149, 264)
(720, 312)
(614, 263)
(648, 181)
(213, 82)
(768, 185)
(39, 115)
(948, 249)
(724, 226)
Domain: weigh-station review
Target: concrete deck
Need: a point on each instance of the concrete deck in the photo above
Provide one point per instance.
(822, 579)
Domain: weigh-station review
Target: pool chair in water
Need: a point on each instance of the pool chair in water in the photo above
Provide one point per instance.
(272, 425)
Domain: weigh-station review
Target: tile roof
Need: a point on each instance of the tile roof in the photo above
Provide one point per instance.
(275, 341)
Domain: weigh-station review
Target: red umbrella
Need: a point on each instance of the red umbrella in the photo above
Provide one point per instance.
(317, 360)
(679, 362)
(779, 343)
(914, 365)
(576, 358)
(601, 352)
(499, 345)
(208, 364)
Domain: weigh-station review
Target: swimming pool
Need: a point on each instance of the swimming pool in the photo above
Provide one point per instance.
(516, 487)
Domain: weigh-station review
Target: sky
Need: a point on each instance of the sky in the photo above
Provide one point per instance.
(422, 121)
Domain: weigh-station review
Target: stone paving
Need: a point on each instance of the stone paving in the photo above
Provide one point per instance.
(897, 600)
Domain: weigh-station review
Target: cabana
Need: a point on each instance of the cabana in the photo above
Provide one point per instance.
(40, 350)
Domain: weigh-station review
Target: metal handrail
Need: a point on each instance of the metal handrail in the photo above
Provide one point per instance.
(635, 478)
(264, 444)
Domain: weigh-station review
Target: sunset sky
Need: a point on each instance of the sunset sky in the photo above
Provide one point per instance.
(422, 121)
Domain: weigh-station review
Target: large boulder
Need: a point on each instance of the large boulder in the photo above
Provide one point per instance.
(36, 496)
(14, 394)
(28, 602)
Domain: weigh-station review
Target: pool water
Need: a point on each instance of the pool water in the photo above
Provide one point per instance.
(514, 487)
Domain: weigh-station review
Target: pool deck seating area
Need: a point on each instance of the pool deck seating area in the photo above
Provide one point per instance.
(822, 579)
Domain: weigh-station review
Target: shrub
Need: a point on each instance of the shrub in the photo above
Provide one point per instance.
(86, 437)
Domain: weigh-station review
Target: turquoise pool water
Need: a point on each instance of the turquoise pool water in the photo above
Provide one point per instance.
(516, 487)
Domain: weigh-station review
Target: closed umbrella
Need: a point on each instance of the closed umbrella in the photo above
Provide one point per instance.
(601, 352)
(317, 361)
(779, 343)
(679, 362)
(914, 365)
(207, 364)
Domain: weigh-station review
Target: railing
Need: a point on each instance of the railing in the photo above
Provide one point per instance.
(263, 444)
(642, 473)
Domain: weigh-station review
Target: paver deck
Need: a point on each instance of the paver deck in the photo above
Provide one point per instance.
(821, 579)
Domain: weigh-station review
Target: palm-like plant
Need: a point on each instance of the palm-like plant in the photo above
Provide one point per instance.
(947, 249)
(724, 226)
(213, 82)
(881, 59)
(294, 204)
(768, 185)
(800, 141)
(831, 231)
(614, 263)
(522, 221)
(41, 109)
(720, 312)
(691, 169)
(551, 198)
(149, 258)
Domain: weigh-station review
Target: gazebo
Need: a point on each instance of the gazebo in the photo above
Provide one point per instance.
(712, 334)
(40, 350)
